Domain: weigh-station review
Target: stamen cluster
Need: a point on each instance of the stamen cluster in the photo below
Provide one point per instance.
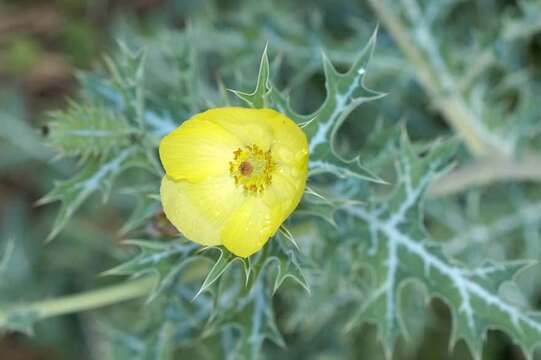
(252, 168)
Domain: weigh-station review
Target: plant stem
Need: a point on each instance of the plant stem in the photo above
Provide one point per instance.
(83, 301)
(448, 101)
(487, 171)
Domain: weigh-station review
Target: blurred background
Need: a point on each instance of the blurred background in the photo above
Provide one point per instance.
(46, 48)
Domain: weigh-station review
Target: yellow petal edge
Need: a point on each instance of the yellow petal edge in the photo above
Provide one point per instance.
(233, 175)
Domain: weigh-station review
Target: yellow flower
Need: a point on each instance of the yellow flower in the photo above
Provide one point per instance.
(233, 175)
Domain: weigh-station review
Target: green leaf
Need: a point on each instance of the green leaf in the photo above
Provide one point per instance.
(92, 177)
(342, 96)
(128, 75)
(288, 267)
(255, 320)
(163, 329)
(348, 169)
(257, 98)
(88, 131)
(286, 234)
(157, 342)
(165, 261)
(243, 296)
(18, 320)
(147, 206)
(400, 251)
(321, 208)
(471, 233)
(249, 312)
(225, 259)
(276, 262)
(345, 92)
(525, 25)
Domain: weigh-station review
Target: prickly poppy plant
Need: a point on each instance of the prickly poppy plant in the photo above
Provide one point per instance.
(276, 184)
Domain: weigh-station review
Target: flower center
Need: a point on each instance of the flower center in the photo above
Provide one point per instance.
(251, 168)
(246, 168)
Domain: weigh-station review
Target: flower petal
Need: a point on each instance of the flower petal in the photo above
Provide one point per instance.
(284, 193)
(249, 227)
(290, 145)
(197, 149)
(250, 126)
(199, 210)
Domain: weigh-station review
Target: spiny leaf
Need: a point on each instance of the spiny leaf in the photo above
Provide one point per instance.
(345, 92)
(225, 259)
(328, 164)
(257, 99)
(243, 297)
(323, 211)
(400, 250)
(128, 71)
(258, 265)
(157, 342)
(249, 311)
(342, 97)
(277, 261)
(163, 343)
(322, 207)
(470, 235)
(18, 320)
(86, 130)
(284, 231)
(525, 25)
(256, 321)
(92, 177)
(101, 91)
(163, 260)
(146, 206)
(288, 268)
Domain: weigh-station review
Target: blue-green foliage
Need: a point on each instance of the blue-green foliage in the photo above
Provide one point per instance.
(400, 209)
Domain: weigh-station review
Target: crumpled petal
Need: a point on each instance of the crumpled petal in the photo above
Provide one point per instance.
(248, 125)
(197, 149)
(199, 210)
(249, 227)
(289, 145)
(284, 193)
